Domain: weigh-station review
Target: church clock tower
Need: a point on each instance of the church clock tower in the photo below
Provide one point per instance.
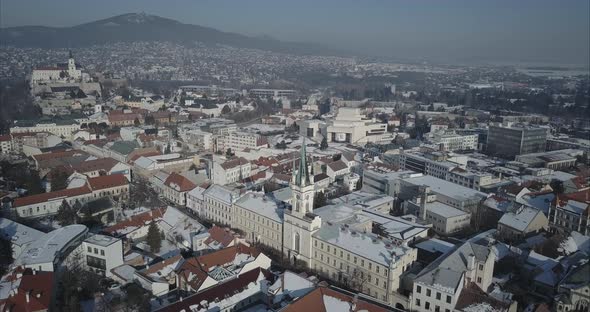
(300, 222)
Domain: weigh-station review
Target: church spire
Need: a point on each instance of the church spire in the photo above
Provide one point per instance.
(302, 173)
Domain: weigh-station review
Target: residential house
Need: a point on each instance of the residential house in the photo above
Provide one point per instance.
(522, 223)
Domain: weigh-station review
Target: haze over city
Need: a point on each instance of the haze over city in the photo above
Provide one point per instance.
(499, 32)
(289, 156)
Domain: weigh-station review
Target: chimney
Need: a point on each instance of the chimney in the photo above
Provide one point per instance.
(28, 296)
(471, 262)
(354, 303)
(283, 281)
(424, 190)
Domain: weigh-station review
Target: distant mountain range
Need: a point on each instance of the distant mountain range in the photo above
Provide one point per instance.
(143, 27)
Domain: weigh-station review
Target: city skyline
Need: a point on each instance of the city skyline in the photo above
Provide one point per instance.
(499, 32)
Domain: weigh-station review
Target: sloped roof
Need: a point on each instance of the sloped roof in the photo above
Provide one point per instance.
(519, 219)
(44, 197)
(325, 299)
(135, 221)
(179, 183)
(39, 287)
(105, 164)
(223, 236)
(225, 256)
(231, 287)
(107, 181)
(234, 163)
(472, 294)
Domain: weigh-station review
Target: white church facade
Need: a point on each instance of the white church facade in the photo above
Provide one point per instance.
(61, 72)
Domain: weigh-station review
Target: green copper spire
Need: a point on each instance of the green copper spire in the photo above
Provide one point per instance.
(302, 173)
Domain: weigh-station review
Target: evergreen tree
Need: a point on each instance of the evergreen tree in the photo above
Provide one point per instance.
(225, 110)
(136, 122)
(59, 180)
(154, 239)
(5, 255)
(324, 144)
(66, 214)
(319, 200)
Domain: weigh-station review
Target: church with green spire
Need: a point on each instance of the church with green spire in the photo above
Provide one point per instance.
(300, 222)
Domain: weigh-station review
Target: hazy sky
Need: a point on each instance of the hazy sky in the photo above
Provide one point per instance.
(531, 31)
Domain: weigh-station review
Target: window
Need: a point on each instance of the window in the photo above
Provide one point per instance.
(418, 289)
(102, 252)
(427, 305)
(428, 292)
(89, 249)
(417, 302)
(481, 267)
(436, 309)
(479, 279)
(96, 251)
(448, 299)
(437, 296)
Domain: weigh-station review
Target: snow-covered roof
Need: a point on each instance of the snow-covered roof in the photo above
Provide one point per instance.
(444, 210)
(368, 246)
(447, 271)
(49, 246)
(18, 234)
(446, 188)
(519, 219)
(262, 205)
(435, 245)
(220, 193)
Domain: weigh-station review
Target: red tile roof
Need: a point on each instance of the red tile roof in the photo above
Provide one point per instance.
(223, 236)
(183, 184)
(136, 220)
(234, 163)
(225, 256)
(6, 137)
(472, 294)
(147, 154)
(192, 274)
(39, 289)
(59, 154)
(108, 181)
(220, 291)
(43, 197)
(160, 265)
(105, 164)
(314, 301)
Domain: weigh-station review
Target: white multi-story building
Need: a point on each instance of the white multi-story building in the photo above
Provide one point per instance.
(350, 126)
(200, 139)
(61, 129)
(455, 142)
(231, 171)
(238, 141)
(102, 253)
(438, 286)
(260, 218)
(272, 92)
(218, 204)
(47, 204)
